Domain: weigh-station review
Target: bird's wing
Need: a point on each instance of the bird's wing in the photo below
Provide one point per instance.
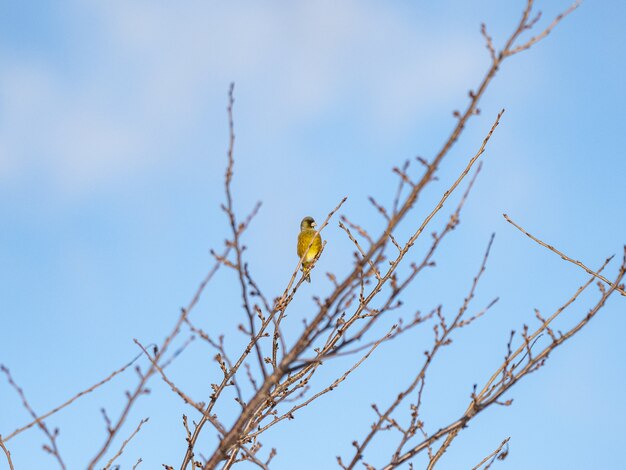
(317, 245)
(303, 241)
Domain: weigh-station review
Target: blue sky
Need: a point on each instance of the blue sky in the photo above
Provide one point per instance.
(113, 137)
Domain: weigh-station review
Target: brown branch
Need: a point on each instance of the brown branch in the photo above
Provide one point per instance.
(380, 208)
(124, 444)
(396, 199)
(6, 453)
(235, 228)
(492, 392)
(178, 351)
(225, 365)
(397, 289)
(360, 230)
(374, 269)
(278, 336)
(140, 388)
(273, 386)
(280, 307)
(495, 455)
(489, 42)
(52, 449)
(394, 264)
(527, 25)
(512, 355)
(249, 455)
(307, 336)
(71, 400)
(174, 388)
(619, 289)
(441, 340)
(330, 388)
(330, 344)
(400, 329)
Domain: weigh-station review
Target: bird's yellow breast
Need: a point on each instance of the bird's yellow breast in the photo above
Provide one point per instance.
(304, 239)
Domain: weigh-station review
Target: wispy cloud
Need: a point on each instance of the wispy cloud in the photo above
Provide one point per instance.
(151, 69)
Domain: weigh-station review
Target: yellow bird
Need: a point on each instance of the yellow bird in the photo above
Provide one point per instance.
(306, 237)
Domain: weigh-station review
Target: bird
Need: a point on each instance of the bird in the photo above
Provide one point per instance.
(308, 236)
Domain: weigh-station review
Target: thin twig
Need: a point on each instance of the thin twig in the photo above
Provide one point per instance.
(52, 449)
(71, 400)
(565, 257)
(331, 387)
(124, 444)
(491, 393)
(535, 39)
(280, 307)
(495, 454)
(440, 342)
(140, 388)
(7, 453)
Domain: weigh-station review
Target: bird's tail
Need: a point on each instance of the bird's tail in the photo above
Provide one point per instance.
(307, 277)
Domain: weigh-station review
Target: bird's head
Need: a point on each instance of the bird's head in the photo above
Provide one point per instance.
(307, 223)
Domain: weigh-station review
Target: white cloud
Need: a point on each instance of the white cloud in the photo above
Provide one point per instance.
(64, 133)
(151, 69)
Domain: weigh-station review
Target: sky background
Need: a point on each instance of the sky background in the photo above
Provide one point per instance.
(113, 137)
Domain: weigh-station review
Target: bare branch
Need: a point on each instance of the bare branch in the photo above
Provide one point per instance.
(440, 341)
(124, 444)
(6, 453)
(140, 389)
(491, 392)
(330, 388)
(489, 42)
(495, 455)
(280, 307)
(174, 388)
(529, 24)
(619, 289)
(52, 449)
(71, 400)
(271, 377)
